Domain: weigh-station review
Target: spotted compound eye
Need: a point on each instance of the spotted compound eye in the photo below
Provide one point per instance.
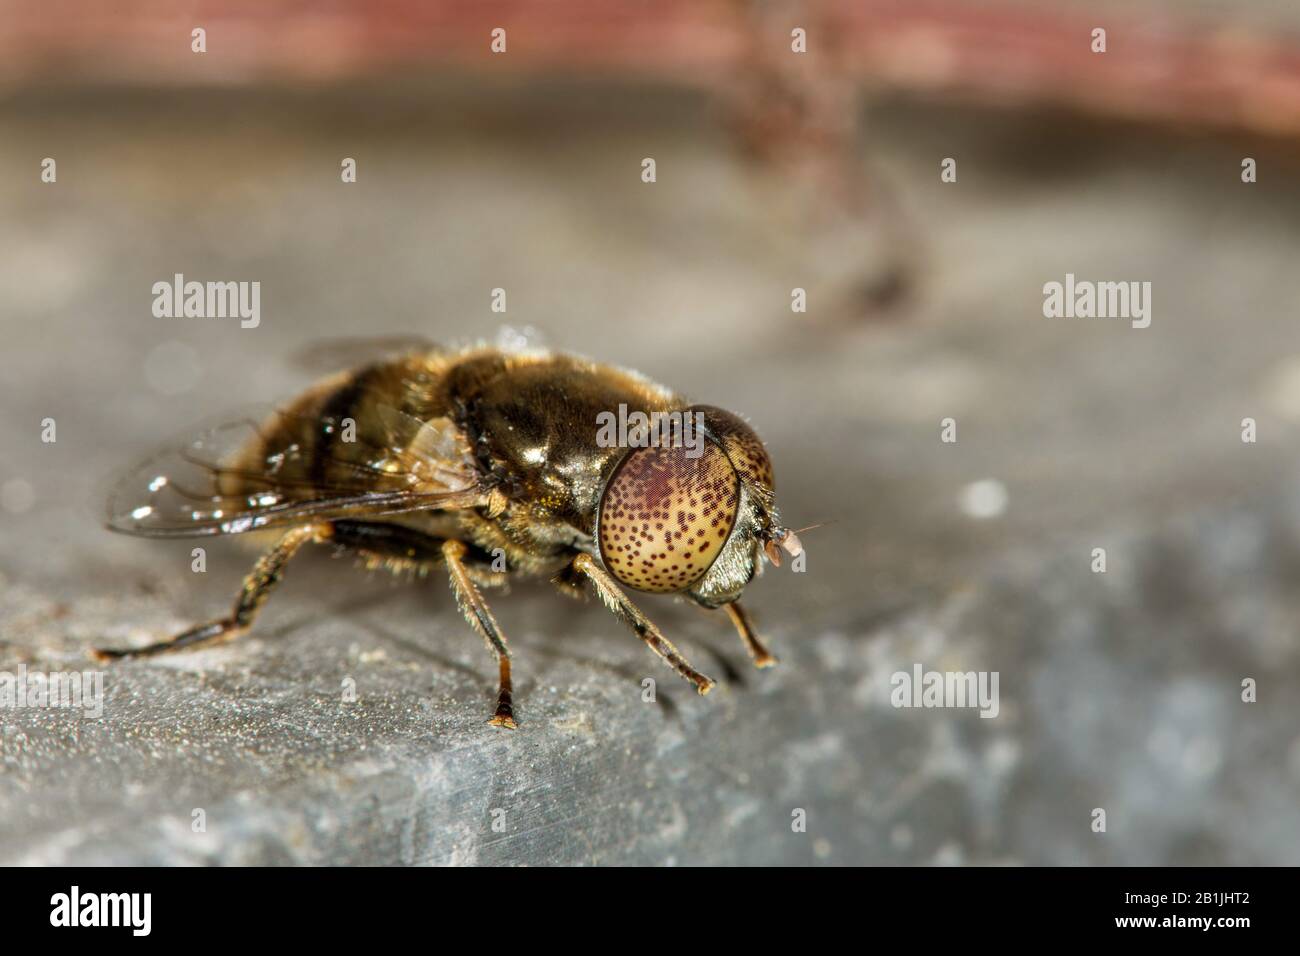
(744, 448)
(664, 516)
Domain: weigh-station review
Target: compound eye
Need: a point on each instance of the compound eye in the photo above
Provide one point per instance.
(664, 516)
(746, 451)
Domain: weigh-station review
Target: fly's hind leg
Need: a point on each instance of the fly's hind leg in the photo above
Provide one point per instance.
(405, 549)
(761, 655)
(258, 585)
(480, 617)
(627, 612)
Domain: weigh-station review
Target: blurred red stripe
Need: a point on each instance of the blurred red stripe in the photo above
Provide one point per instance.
(1157, 67)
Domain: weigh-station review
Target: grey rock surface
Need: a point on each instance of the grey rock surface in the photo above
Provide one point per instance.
(1119, 691)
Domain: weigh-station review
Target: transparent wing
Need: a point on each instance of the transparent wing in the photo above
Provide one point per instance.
(270, 468)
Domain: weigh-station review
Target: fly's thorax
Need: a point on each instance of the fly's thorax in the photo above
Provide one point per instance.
(533, 424)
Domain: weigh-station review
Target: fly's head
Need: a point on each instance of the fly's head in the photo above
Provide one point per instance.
(696, 515)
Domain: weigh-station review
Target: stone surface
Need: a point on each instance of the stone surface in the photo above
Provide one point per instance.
(1118, 690)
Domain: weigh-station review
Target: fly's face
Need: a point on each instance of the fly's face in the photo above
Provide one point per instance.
(677, 518)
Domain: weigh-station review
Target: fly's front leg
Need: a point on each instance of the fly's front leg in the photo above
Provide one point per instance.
(258, 585)
(480, 618)
(627, 612)
(761, 655)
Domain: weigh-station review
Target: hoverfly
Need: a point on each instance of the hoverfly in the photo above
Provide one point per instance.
(485, 462)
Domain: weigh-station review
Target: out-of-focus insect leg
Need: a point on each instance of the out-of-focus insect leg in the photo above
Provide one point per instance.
(258, 585)
(480, 618)
(631, 615)
(761, 655)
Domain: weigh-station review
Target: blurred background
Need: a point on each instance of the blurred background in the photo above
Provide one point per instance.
(775, 171)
